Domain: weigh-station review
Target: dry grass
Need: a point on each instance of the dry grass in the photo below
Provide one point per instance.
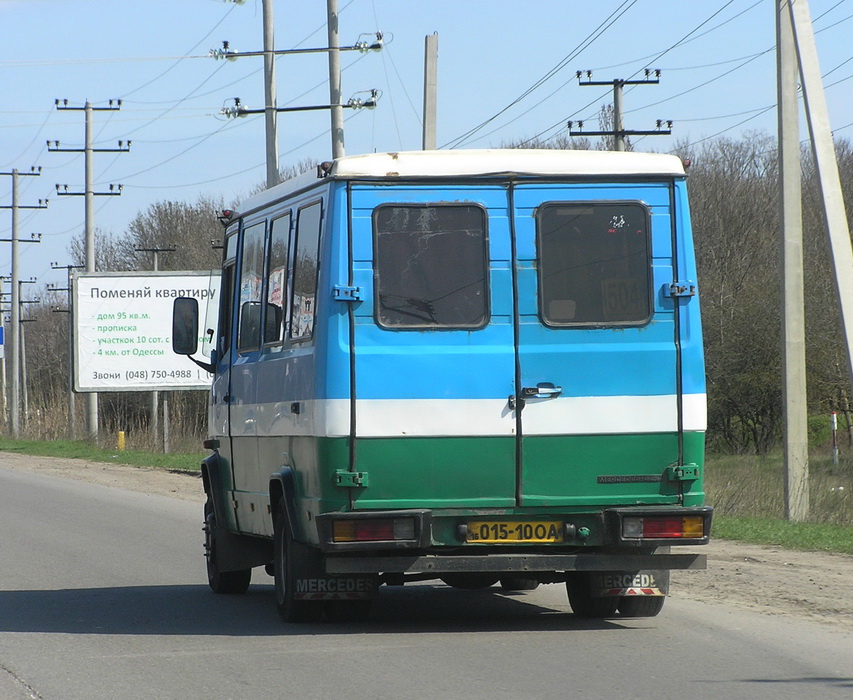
(749, 486)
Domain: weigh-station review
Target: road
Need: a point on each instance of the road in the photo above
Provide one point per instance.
(103, 595)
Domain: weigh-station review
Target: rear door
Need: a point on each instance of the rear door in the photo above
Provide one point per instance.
(434, 347)
(597, 355)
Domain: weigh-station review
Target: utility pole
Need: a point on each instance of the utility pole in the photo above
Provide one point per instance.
(15, 418)
(430, 90)
(72, 433)
(793, 305)
(652, 77)
(795, 30)
(337, 112)
(155, 395)
(22, 321)
(271, 116)
(89, 194)
(270, 109)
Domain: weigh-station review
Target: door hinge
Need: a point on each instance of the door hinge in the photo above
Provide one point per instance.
(684, 472)
(680, 289)
(349, 479)
(343, 292)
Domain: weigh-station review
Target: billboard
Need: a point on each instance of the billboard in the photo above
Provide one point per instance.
(123, 329)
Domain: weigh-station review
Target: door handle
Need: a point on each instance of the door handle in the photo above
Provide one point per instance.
(543, 390)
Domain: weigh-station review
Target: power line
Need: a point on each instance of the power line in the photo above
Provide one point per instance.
(597, 32)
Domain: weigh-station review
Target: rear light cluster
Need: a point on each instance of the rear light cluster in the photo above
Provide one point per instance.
(688, 527)
(373, 529)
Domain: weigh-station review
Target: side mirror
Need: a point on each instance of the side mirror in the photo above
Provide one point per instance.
(185, 326)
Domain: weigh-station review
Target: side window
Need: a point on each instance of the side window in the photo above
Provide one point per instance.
(305, 266)
(277, 279)
(594, 263)
(226, 294)
(430, 266)
(251, 278)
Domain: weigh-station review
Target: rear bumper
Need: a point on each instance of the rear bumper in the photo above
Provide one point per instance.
(512, 563)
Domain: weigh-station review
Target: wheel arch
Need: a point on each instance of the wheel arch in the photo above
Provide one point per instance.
(235, 551)
(283, 495)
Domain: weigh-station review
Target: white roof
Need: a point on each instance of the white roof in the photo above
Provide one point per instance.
(502, 161)
(486, 162)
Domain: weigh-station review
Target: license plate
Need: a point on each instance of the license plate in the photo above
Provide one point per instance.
(535, 531)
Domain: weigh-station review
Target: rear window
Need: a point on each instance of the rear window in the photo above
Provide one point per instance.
(430, 266)
(594, 263)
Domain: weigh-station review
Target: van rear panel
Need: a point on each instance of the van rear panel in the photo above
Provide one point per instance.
(516, 346)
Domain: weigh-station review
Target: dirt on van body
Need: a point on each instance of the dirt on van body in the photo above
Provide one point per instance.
(772, 580)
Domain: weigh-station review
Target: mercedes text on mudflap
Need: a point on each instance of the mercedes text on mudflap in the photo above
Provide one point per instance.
(472, 366)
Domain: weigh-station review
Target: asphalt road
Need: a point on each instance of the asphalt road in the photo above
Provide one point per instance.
(103, 595)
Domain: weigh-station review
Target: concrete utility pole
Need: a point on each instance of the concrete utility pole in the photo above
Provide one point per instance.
(23, 345)
(89, 194)
(155, 395)
(652, 77)
(271, 110)
(15, 322)
(270, 114)
(337, 111)
(430, 90)
(793, 305)
(72, 432)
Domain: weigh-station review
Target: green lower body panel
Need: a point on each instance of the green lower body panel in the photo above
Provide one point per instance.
(585, 471)
(605, 470)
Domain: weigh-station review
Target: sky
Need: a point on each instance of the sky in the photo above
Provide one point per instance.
(506, 73)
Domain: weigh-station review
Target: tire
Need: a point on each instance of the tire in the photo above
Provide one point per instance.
(221, 582)
(290, 558)
(470, 582)
(518, 583)
(641, 605)
(583, 603)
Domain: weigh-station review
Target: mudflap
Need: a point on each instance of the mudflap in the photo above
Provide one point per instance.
(629, 583)
(311, 582)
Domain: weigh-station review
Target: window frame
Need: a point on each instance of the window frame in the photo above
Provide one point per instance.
(309, 337)
(487, 300)
(603, 323)
(285, 309)
(238, 288)
(225, 325)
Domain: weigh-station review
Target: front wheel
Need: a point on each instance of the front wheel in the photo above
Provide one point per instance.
(289, 563)
(224, 582)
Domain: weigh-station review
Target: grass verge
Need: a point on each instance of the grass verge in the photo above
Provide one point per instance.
(83, 450)
(810, 537)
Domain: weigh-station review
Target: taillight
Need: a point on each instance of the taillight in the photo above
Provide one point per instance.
(652, 527)
(373, 529)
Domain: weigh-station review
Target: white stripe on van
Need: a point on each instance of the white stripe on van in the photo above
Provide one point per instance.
(585, 415)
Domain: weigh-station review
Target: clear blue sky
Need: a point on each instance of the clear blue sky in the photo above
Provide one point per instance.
(508, 65)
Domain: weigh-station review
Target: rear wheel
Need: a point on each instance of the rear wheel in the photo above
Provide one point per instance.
(470, 582)
(584, 604)
(641, 606)
(226, 582)
(289, 563)
(518, 583)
